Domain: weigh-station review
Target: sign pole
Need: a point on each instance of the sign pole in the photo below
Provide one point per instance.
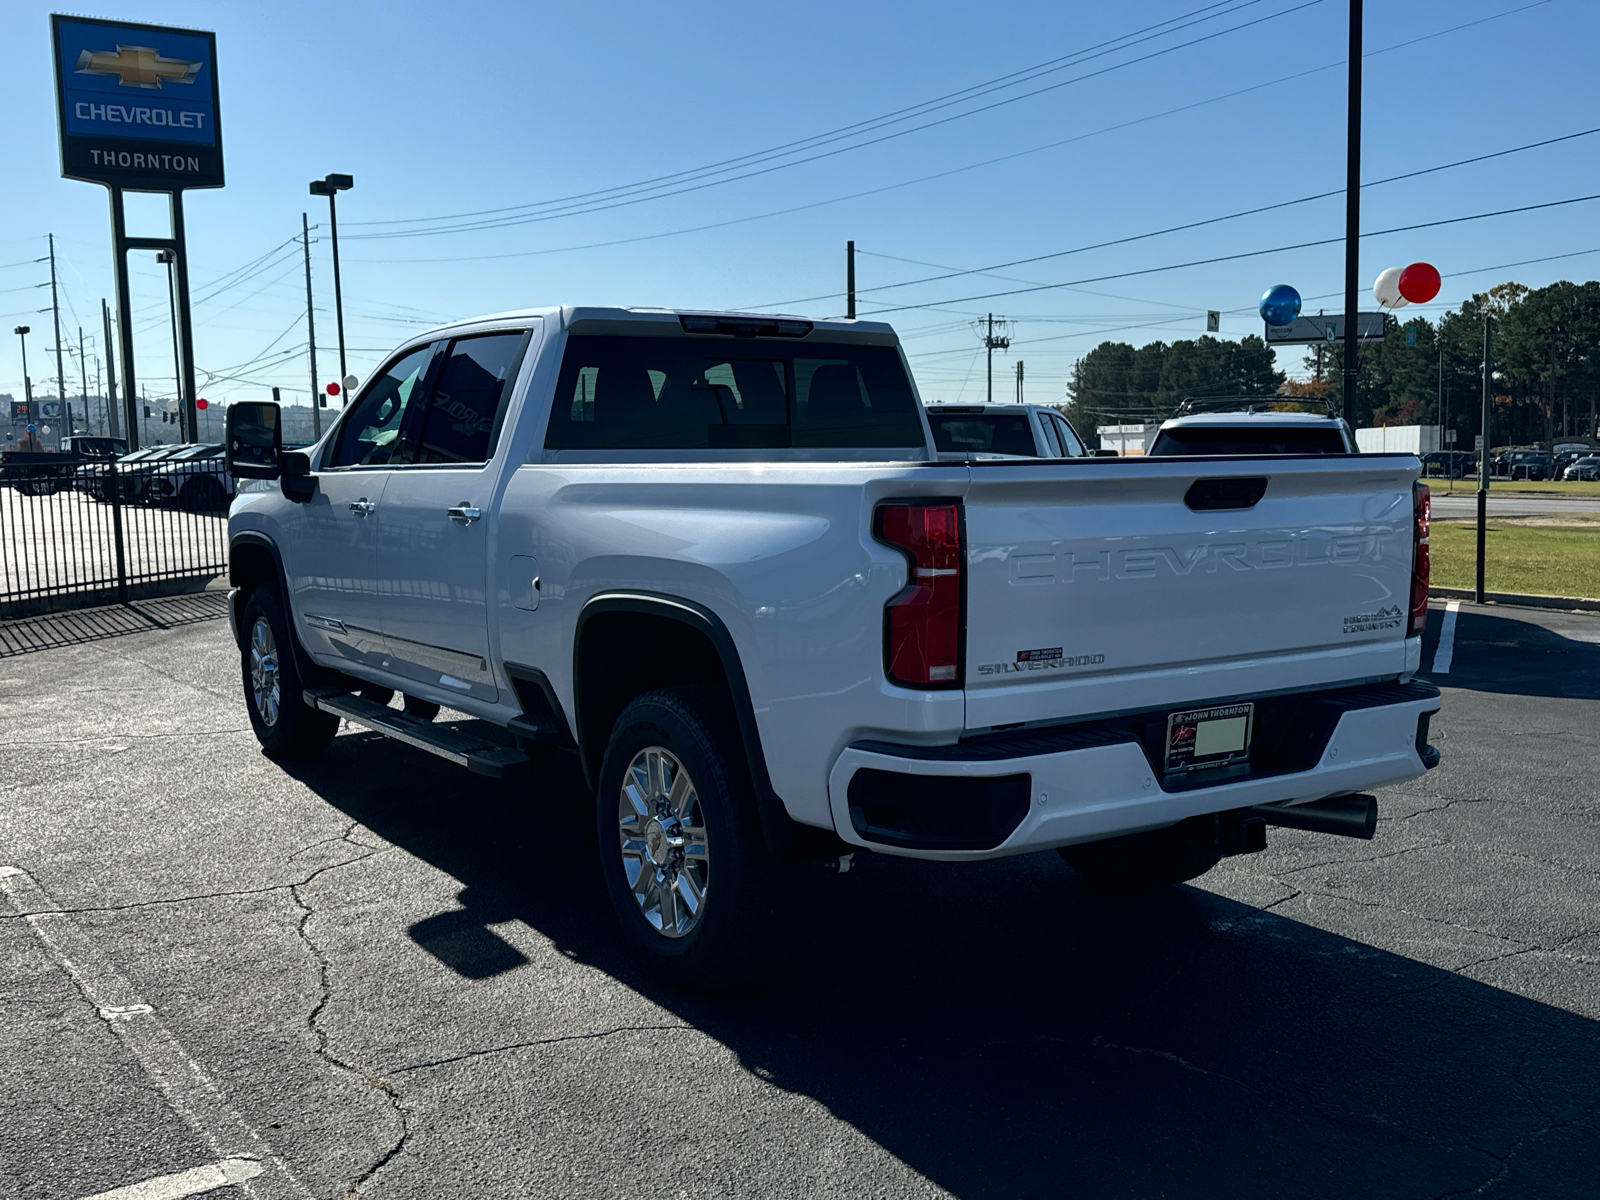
(1352, 215)
(119, 268)
(113, 418)
(1483, 463)
(185, 332)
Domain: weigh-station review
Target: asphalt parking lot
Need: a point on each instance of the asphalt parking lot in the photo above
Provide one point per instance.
(374, 974)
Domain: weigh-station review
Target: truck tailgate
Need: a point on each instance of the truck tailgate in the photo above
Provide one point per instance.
(1100, 586)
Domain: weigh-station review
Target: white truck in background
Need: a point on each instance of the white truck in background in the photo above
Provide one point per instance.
(719, 558)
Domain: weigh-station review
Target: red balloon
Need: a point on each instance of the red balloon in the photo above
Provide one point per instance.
(1420, 283)
(202, 403)
(333, 389)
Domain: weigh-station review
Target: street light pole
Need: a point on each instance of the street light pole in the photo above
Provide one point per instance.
(330, 186)
(22, 332)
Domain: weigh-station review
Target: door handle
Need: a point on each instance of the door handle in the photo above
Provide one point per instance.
(463, 514)
(363, 507)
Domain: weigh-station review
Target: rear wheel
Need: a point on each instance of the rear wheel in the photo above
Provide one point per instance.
(41, 486)
(1141, 862)
(283, 723)
(680, 847)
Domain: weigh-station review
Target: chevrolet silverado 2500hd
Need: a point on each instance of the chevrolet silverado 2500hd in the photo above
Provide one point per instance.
(718, 558)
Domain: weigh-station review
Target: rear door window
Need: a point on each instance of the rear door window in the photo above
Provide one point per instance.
(671, 393)
(462, 421)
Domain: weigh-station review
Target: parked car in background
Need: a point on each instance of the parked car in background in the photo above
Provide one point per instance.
(1250, 426)
(1002, 430)
(133, 474)
(1523, 464)
(196, 479)
(1449, 464)
(1587, 467)
(45, 472)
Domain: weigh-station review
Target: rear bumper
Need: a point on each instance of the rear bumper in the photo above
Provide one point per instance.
(1093, 781)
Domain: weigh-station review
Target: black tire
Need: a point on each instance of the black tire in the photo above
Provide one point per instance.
(288, 728)
(1141, 862)
(719, 945)
(424, 710)
(41, 486)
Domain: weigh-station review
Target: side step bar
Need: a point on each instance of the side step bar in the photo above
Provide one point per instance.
(478, 755)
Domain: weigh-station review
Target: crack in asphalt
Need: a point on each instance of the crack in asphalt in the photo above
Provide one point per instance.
(549, 1041)
(197, 896)
(325, 995)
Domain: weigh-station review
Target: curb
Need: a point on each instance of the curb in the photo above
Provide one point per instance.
(1519, 599)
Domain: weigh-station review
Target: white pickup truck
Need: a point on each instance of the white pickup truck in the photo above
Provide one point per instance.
(718, 558)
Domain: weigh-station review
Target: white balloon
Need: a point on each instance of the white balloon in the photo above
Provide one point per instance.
(1387, 289)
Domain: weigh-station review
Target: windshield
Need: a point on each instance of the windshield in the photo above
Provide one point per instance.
(1240, 439)
(982, 433)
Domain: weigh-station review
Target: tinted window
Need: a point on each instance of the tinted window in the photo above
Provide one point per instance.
(987, 433)
(469, 401)
(1212, 439)
(636, 393)
(1052, 439)
(370, 433)
(1069, 437)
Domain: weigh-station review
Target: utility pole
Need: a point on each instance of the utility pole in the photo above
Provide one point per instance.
(1483, 461)
(61, 370)
(991, 343)
(83, 375)
(311, 332)
(111, 372)
(850, 280)
(1439, 404)
(1352, 215)
(1019, 381)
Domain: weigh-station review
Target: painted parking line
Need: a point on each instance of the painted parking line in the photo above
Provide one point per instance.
(188, 1089)
(186, 1183)
(1446, 648)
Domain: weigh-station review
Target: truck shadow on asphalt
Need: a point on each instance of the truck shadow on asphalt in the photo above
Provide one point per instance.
(1005, 1032)
(1516, 656)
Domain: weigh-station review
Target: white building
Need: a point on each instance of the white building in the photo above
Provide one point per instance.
(1128, 439)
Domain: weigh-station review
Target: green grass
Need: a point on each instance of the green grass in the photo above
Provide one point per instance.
(1458, 487)
(1518, 558)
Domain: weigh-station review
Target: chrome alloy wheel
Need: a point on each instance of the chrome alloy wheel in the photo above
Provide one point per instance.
(264, 671)
(661, 826)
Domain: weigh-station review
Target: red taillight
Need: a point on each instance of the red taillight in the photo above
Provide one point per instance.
(922, 624)
(1422, 515)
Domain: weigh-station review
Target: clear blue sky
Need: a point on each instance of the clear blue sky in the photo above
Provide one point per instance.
(438, 110)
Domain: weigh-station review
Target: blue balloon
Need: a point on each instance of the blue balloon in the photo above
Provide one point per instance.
(1280, 305)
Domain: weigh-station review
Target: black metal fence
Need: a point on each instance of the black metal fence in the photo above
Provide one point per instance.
(74, 533)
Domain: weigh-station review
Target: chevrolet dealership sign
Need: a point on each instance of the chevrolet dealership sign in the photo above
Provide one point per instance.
(137, 104)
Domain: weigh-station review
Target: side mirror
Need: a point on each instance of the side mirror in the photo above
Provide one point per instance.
(254, 440)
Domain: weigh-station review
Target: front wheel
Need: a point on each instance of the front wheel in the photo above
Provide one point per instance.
(283, 723)
(680, 848)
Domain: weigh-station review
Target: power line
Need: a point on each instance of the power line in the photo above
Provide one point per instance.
(581, 209)
(867, 125)
(782, 212)
(1138, 237)
(1200, 262)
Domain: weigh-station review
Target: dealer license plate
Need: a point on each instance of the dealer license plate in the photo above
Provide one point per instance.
(1209, 737)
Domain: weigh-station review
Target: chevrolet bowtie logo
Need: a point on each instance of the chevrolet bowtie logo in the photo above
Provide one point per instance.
(137, 66)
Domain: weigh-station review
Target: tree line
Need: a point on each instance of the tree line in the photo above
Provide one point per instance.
(1545, 351)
